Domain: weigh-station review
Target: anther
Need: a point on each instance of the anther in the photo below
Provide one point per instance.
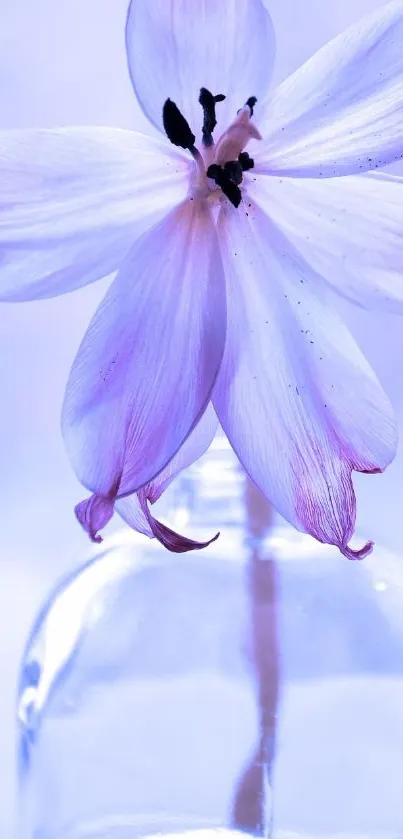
(251, 102)
(223, 179)
(246, 161)
(176, 126)
(234, 169)
(208, 103)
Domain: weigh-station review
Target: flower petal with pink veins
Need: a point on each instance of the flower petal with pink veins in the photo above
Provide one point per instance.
(350, 230)
(95, 512)
(175, 47)
(144, 372)
(295, 396)
(342, 111)
(73, 201)
(171, 540)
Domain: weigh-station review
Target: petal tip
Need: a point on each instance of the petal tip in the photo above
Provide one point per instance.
(93, 514)
(360, 553)
(174, 542)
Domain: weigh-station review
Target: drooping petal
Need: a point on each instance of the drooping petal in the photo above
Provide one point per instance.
(73, 201)
(136, 512)
(174, 48)
(171, 540)
(342, 111)
(95, 512)
(349, 229)
(146, 367)
(295, 396)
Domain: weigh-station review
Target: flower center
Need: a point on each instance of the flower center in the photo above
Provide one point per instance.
(220, 165)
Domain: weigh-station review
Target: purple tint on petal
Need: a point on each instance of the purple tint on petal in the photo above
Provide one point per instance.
(171, 540)
(174, 541)
(94, 513)
(146, 367)
(358, 554)
(295, 396)
(195, 445)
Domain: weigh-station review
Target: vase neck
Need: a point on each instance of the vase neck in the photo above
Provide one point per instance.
(215, 493)
(210, 493)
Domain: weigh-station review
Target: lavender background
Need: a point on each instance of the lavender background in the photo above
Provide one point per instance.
(64, 63)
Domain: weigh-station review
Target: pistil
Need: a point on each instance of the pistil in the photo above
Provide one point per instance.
(225, 163)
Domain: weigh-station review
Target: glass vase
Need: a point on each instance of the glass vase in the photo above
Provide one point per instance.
(252, 688)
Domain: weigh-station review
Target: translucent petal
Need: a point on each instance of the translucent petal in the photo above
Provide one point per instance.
(295, 396)
(145, 369)
(73, 201)
(349, 229)
(171, 540)
(174, 48)
(342, 111)
(95, 512)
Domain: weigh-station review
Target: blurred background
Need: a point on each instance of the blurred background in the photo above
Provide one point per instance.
(64, 63)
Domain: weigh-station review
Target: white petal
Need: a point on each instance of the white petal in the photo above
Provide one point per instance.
(342, 111)
(174, 48)
(295, 396)
(73, 200)
(144, 372)
(349, 229)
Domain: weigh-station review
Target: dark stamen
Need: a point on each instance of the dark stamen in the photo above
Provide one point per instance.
(246, 161)
(176, 127)
(223, 179)
(234, 169)
(214, 171)
(208, 103)
(251, 102)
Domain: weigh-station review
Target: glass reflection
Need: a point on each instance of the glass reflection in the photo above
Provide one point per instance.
(255, 687)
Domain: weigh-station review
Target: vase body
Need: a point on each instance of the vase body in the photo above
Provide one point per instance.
(255, 687)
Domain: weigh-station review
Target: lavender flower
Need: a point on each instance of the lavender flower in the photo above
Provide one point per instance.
(226, 259)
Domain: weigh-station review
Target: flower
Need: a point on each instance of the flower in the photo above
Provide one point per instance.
(226, 262)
